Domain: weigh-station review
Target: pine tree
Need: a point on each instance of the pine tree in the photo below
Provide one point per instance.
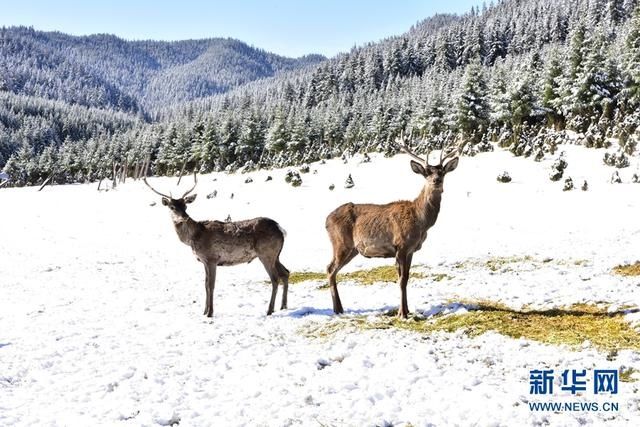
(631, 67)
(473, 108)
(551, 96)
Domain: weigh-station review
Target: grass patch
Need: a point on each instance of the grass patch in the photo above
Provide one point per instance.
(628, 269)
(497, 263)
(570, 326)
(303, 276)
(504, 263)
(626, 375)
(367, 277)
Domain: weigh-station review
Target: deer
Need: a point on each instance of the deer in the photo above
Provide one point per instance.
(216, 243)
(393, 230)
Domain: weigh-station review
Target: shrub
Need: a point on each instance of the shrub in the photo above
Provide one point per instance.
(504, 177)
(291, 175)
(349, 182)
(585, 186)
(568, 184)
(618, 160)
(615, 178)
(558, 167)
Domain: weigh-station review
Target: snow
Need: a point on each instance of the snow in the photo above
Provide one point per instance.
(101, 310)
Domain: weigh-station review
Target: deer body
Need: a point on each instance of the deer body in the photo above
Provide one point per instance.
(394, 230)
(216, 243)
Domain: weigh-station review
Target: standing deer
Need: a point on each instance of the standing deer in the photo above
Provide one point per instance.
(396, 229)
(217, 243)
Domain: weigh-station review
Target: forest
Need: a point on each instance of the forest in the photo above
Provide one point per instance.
(519, 74)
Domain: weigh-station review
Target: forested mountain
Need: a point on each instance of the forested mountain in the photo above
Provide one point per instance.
(108, 72)
(516, 72)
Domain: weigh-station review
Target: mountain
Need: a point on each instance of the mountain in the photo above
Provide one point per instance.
(105, 71)
(517, 74)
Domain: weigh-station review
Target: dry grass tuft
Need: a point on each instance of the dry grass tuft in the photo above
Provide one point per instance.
(570, 326)
(628, 269)
(366, 277)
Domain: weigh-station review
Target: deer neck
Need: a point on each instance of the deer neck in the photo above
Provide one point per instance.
(185, 226)
(428, 205)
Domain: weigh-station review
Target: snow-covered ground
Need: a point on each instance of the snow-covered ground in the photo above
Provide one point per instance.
(101, 306)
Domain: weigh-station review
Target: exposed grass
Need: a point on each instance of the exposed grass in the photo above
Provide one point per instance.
(367, 277)
(570, 326)
(504, 263)
(628, 269)
(497, 263)
(303, 276)
(626, 375)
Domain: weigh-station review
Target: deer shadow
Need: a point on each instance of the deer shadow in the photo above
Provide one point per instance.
(551, 312)
(328, 312)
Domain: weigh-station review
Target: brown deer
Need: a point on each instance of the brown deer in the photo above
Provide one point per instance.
(397, 229)
(217, 243)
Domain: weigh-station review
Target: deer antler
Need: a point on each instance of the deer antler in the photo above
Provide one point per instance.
(455, 151)
(154, 190)
(195, 182)
(400, 141)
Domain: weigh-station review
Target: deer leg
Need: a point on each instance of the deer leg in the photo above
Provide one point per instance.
(339, 260)
(206, 288)
(274, 291)
(284, 278)
(272, 271)
(404, 263)
(211, 286)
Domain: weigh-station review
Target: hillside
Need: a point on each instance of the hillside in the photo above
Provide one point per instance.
(108, 72)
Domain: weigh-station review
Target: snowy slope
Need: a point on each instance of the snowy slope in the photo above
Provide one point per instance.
(101, 306)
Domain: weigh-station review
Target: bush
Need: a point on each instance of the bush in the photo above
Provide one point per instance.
(504, 177)
(615, 178)
(305, 168)
(585, 186)
(635, 178)
(296, 181)
(558, 167)
(568, 184)
(618, 160)
(249, 180)
(269, 178)
(349, 182)
(332, 187)
(291, 175)
(212, 195)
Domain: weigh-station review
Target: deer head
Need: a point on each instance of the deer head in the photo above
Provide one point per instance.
(177, 206)
(434, 174)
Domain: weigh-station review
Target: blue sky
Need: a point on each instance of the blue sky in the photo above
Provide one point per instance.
(287, 27)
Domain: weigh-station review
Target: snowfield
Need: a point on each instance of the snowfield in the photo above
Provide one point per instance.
(101, 306)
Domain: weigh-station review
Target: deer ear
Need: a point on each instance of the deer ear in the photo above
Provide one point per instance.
(190, 198)
(451, 165)
(165, 201)
(418, 168)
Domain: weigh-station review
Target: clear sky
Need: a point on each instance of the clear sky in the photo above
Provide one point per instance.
(287, 27)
